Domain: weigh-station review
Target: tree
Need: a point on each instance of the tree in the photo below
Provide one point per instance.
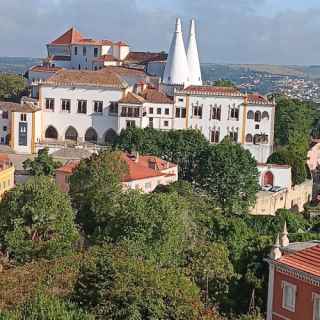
(223, 83)
(12, 87)
(44, 307)
(37, 221)
(115, 285)
(95, 188)
(43, 164)
(182, 147)
(229, 174)
(292, 117)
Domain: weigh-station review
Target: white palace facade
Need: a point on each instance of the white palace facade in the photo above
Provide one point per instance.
(88, 90)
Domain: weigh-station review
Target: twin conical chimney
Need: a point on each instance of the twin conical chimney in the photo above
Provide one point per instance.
(182, 68)
(193, 56)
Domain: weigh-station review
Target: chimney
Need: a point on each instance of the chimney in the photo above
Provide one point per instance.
(140, 87)
(193, 56)
(284, 241)
(276, 253)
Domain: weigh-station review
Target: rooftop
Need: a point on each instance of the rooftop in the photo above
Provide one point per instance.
(18, 107)
(306, 260)
(44, 69)
(144, 57)
(213, 90)
(257, 98)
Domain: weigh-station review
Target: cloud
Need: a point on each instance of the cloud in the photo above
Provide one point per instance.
(237, 31)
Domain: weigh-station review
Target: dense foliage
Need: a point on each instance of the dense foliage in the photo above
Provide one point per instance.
(43, 164)
(12, 87)
(37, 221)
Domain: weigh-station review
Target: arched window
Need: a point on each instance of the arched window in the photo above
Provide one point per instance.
(257, 139)
(51, 133)
(257, 116)
(249, 138)
(110, 136)
(265, 138)
(71, 134)
(268, 178)
(91, 135)
(250, 114)
(265, 115)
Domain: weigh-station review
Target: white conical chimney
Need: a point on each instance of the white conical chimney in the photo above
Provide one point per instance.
(193, 56)
(177, 70)
(284, 241)
(276, 253)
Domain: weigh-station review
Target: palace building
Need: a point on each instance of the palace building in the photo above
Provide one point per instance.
(87, 91)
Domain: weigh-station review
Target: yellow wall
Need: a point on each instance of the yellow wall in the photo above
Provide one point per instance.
(6, 180)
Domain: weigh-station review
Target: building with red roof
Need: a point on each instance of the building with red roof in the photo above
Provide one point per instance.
(294, 280)
(144, 172)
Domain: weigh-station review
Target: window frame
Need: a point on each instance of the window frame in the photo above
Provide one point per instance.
(82, 105)
(64, 104)
(284, 285)
(50, 104)
(98, 106)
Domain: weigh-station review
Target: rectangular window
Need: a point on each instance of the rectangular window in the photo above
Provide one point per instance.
(98, 106)
(316, 306)
(215, 136)
(113, 108)
(288, 296)
(180, 99)
(82, 106)
(84, 51)
(234, 113)
(95, 52)
(23, 134)
(150, 122)
(234, 136)
(66, 105)
(151, 110)
(23, 117)
(158, 110)
(131, 124)
(180, 112)
(50, 104)
(166, 111)
(75, 51)
(197, 111)
(216, 113)
(5, 115)
(136, 112)
(166, 123)
(4, 128)
(183, 112)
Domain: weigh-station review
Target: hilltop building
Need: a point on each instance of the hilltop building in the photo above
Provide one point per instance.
(294, 280)
(88, 90)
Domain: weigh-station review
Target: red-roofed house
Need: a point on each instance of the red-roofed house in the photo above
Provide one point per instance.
(294, 280)
(144, 173)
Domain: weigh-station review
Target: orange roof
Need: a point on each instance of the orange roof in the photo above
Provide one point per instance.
(87, 78)
(107, 57)
(4, 157)
(132, 98)
(69, 37)
(45, 69)
(125, 71)
(69, 167)
(213, 90)
(143, 57)
(155, 96)
(258, 99)
(307, 260)
(73, 36)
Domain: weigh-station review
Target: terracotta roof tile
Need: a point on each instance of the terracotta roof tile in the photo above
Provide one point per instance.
(307, 260)
(156, 96)
(69, 167)
(132, 98)
(44, 69)
(125, 71)
(87, 78)
(258, 99)
(18, 107)
(143, 57)
(69, 37)
(213, 90)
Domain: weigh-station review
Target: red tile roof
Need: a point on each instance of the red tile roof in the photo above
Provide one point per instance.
(73, 36)
(44, 69)
(258, 99)
(107, 57)
(132, 98)
(307, 260)
(69, 167)
(125, 71)
(213, 90)
(69, 37)
(156, 96)
(143, 57)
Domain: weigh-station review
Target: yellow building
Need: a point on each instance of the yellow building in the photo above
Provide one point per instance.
(6, 174)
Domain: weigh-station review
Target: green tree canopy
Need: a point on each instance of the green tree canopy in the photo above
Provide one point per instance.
(37, 221)
(43, 164)
(115, 285)
(95, 188)
(229, 173)
(11, 87)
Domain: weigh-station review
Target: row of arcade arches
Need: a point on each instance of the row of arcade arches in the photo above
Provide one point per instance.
(71, 134)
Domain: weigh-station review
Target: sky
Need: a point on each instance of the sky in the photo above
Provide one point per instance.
(229, 31)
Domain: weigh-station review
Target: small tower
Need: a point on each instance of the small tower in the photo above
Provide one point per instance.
(193, 56)
(176, 71)
(275, 253)
(284, 241)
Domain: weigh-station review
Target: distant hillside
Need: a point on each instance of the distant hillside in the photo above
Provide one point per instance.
(17, 65)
